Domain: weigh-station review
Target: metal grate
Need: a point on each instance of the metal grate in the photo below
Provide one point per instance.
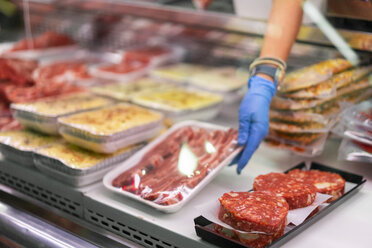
(62, 203)
(126, 231)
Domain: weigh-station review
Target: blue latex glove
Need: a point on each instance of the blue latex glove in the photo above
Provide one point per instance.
(254, 118)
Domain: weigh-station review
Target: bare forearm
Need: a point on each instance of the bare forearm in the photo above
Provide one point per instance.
(282, 29)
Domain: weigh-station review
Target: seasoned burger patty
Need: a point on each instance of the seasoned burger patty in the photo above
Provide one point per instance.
(298, 194)
(325, 182)
(262, 212)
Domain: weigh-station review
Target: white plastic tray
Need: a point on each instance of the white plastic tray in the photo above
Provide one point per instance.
(109, 177)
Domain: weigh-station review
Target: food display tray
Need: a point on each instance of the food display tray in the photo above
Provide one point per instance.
(24, 158)
(133, 161)
(205, 228)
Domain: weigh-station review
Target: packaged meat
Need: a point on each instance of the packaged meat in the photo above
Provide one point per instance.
(126, 91)
(154, 54)
(181, 103)
(46, 44)
(17, 71)
(298, 194)
(178, 73)
(19, 145)
(111, 128)
(42, 115)
(175, 166)
(359, 116)
(76, 166)
(328, 88)
(312, 75)
(297, 138)
(261, 215)
(325, 182)
(355, 151)
(202, 4)
(8, 123)
(124, 71)
(221, 80)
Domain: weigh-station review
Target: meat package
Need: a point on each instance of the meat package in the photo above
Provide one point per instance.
(111, 128)
(42, 115)
(175, 166)
(76, 166)
(181, 103)
(19, 145)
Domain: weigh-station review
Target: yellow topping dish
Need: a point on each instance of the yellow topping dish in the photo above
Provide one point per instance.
(179, 72)
(125, 91)
(53, 107)
(111, 119)
(220, 79)
(76, 157)
(25, 140)
(177, 99)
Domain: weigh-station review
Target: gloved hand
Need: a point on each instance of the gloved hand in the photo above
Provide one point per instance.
(254, 117)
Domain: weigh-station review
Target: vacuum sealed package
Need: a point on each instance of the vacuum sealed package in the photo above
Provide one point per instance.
(175, 166)
(19, 145)
(300, 122)
(178, 73)
(126, 91)
(359, 116)
(180, 103)
(47, 44)
(329, 87)
(355, 151)
(312, 75)
(42, 115)
(111, 128)
(76, 166)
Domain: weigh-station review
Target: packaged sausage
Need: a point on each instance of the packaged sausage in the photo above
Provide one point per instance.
(76, 166)
(181, 103)
(175, 166)
(19, 145)
(42, 115)
(312, 75)
(111, 128)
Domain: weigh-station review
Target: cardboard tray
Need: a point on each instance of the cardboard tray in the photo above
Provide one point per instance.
(204, 228)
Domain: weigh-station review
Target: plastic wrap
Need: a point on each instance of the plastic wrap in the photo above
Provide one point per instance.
(355, 151)
(181, 103)
(111, 128)
(312, 75)
(175, 166)
(76, 166)
(329, 88)
(42, 115)
(178, 73)
(359, 116)
(221, 80)
(19, 146)
(126, 91)
(124, 71)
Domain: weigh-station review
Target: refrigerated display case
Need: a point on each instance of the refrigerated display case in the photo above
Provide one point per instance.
(92, 215)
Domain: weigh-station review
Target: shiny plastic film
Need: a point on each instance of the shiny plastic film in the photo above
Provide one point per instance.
(355, 151)
(172, 168)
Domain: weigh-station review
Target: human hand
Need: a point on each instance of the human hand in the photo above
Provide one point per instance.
(254, 117)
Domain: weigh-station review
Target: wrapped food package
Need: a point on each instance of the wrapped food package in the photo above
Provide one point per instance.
(355, 151)
(359, 117)
(42, 115)
(110, 128)
(19, 145)
(312, 75)
(181, 103)
(126, 91)
(179, 73)
(76, 166)
(223, 79)
(175, 166)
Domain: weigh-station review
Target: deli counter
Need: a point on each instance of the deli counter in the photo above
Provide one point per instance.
(118, 128)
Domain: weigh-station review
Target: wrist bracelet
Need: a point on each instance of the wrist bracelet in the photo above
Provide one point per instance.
(280, 61)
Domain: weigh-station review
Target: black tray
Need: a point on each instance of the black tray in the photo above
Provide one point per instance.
(205, 228)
